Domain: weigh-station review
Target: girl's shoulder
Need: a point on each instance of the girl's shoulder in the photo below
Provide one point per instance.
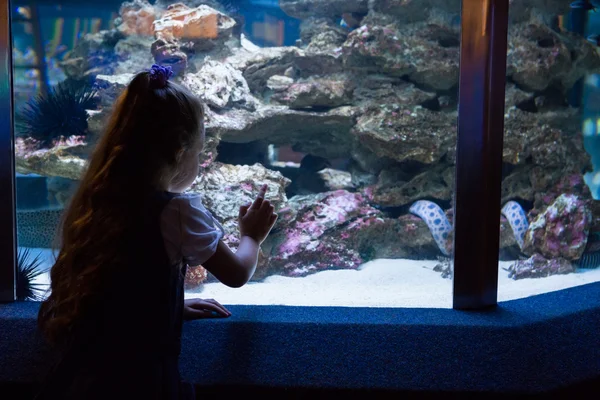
(188, 207)
(186, 200)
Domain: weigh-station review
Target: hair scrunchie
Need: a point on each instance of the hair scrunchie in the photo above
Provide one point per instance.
(160, 75)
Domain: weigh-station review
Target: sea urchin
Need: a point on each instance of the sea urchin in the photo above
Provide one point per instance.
(62, 112)
(28, 268)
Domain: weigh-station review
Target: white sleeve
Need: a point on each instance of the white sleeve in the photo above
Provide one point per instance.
(189, 230)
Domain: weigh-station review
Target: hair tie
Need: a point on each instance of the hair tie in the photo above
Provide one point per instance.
(160, 75)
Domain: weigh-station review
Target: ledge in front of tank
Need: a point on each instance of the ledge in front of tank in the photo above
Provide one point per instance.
(531, 345)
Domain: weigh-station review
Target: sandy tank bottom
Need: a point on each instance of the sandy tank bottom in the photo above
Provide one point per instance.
(379, 283)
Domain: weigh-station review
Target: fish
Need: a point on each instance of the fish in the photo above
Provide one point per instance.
(584, 5)
(436, 220)
(351, 21)
(594, 38)
(517, 218)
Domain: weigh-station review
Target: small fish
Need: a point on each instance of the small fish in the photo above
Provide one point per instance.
(584, 4)
(351, 21)
(594, 38)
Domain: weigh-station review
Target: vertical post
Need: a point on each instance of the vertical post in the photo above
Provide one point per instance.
(479, 152)
(40, 49)
(7, 166)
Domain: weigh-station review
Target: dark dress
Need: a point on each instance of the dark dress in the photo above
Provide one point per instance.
(128, 346)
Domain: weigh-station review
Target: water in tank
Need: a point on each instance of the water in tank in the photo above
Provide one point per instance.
(347, 110)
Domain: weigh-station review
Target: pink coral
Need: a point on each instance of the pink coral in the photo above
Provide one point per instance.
(561, 230)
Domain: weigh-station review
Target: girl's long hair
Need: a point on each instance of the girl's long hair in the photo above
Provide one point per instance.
(148, 128)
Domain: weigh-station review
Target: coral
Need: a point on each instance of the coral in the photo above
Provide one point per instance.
(226, 187)
(137, 18)
(220, 85)
(539, 267)
(316, 233)
(201, 23)
(60, 113)
(195, 277)
(561, 231)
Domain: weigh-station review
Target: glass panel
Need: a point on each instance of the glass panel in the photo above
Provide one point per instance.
(345, 109)
(550, 219)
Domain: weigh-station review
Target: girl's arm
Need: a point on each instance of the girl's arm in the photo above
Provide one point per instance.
(234, 269)
(255, 223)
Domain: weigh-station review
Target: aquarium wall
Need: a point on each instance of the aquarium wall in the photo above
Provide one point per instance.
(347, 110)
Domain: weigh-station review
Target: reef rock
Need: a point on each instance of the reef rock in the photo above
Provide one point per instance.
(258, 67)
(314, 232)
(137, 18)
(226, 187)
(525, 10)
(202, 25)
(65, 158)
(561, 230)
(398, 53)
(334, 179)
(330, 8)
(380, 89)
(321, 34)
(110, 87)
(220, 85)
(279, 83)
(132, 52)
(535, 139)
(549, 185)
(406, 133)
(539, 267)
(317, 93)
(515, 97)
(169, 53)
(538, 57)
(541, 185)
(94, 54)
(325, 134)
(396, 187)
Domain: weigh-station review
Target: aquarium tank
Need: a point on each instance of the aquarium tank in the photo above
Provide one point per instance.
(347, 110)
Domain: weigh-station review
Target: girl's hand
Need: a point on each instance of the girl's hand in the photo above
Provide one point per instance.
(200, 308)
(257, 219)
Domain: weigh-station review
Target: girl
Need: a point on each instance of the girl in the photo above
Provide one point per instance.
(117, 303)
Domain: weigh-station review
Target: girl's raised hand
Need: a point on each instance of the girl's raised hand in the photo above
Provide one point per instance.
(257, 219)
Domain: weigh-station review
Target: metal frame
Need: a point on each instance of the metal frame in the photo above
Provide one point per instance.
(7, 162)
(478, 164)
(479, 153)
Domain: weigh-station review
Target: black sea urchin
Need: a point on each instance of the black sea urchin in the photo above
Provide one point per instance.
(29, 268)
(62, 112)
